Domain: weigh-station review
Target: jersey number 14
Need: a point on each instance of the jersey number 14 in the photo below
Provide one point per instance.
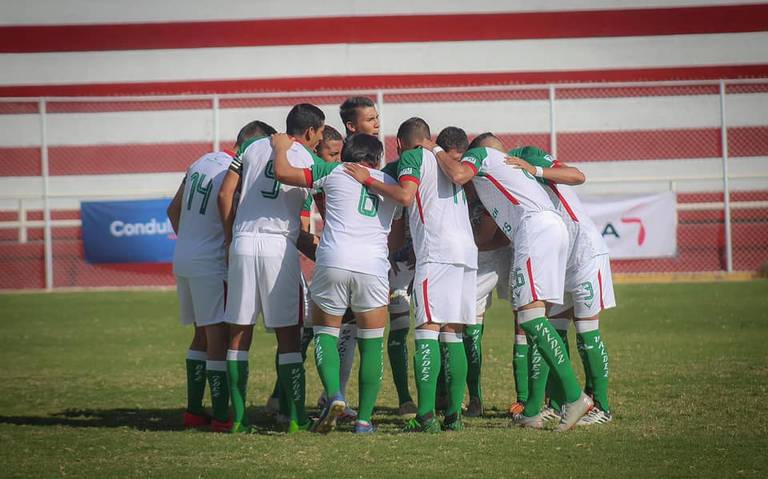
(196, 186)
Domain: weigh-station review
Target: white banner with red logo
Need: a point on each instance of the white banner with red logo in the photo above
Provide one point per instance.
(636, 226)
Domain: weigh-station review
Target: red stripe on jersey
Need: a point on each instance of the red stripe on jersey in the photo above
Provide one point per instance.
(229, 152)
(424, 287)
(563, 202)
(304, 214)
(600, 286)
(418, 205)
(308, 177)
(410, 178)
(474, 168)
(503, 190)
(530, 279)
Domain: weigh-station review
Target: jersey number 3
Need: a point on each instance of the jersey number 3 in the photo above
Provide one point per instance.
(196, 186)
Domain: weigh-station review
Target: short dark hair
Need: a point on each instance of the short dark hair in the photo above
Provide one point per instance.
(453, 138)
(479, 139)
(331, 134)
(362, 148)
(254, 129)
(302, 117)
(412, 130)
(348, 110)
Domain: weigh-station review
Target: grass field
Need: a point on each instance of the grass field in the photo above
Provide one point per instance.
(93, 386)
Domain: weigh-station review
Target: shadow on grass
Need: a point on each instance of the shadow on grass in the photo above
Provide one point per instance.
(139, 419)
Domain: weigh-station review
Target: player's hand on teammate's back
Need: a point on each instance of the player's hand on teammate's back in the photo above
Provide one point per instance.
(359, 173)
(521, 164)
(281, 141)
(427, 144)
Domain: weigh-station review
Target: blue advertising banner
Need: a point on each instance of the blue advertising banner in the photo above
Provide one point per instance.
(127, 231)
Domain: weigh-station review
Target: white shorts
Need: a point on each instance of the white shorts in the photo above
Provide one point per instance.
(201, 299)
(399, 299)
(444, 293)
(264, 278)
(588, 289)
(335, 289)
(491, 266)
(539, 263)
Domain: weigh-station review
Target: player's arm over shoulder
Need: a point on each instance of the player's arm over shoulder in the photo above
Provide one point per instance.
(551, 170)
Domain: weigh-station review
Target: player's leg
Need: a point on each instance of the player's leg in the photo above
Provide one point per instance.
(487, 278)
(194, 415)
(397, 344)
(291, 375)
(426, 357)
(540, 260)
(347, 343)
(369, 300)
(561, 321)
(520, 352)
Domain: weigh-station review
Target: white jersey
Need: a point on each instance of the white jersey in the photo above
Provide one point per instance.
(266, 205)
(199, 247)
(509, 194)
(584, 237)
(357, 221)
(438, 218)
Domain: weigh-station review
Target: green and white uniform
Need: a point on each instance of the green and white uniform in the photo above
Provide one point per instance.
(524, 212)
(264, 272)
(492, 265)
(399, 298)
(445, 283)
(198, 258)
(588, 282)
(351, 266)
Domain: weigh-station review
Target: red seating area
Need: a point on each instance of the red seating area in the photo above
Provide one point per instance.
(701, 247)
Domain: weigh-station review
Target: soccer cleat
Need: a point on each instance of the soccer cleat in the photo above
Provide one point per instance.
(196, 421)
(348, 415)
(595, 416)
(322, 401)
(516, 408)
(222, 426)
(573, 411)
(474, 408)
(453, 423)
(273, 405)
(281, 418)
(294, 427)
(364, 427)
(548, 413)
(408, 409)
(328, 416)
(417, 424)
(534, 422)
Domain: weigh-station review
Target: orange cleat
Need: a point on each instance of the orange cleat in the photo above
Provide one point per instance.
(516, 408)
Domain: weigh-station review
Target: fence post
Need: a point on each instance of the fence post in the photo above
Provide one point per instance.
(22, 221)
(380, 109)
(726, 186)
(552, 129)
(216, 124)
(47, 234)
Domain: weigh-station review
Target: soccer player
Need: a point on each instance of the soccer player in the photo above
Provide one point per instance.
(199, 263)
(350, 270)
(264, 272)
(492, 261)
(588, 282)
(445, 275)
(359, 115)
(525, 213)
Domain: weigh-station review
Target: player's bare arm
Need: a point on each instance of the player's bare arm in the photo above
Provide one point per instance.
(307, 243)
(225, 201)
(562, 173)
(460, 173)
(403, 193)
(174, 209)
(284, 171)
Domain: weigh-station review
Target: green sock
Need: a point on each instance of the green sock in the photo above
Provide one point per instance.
(371, 345)
(554, 388)
(550, 345)
(327, 359)
(455, 364)
(538, 371)
(306, 338)
(237, 367)
(595, 357)
(426, 366)
(290, 372)
(195, 381)
(397, 350)
(219, 385)
(520, 367)
(473, 337)
(441, 391)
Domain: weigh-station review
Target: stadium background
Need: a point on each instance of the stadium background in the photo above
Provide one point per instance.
(105, 100)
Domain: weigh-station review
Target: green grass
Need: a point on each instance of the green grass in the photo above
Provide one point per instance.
(93, 385)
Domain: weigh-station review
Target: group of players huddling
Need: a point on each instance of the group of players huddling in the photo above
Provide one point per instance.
(438, 229)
